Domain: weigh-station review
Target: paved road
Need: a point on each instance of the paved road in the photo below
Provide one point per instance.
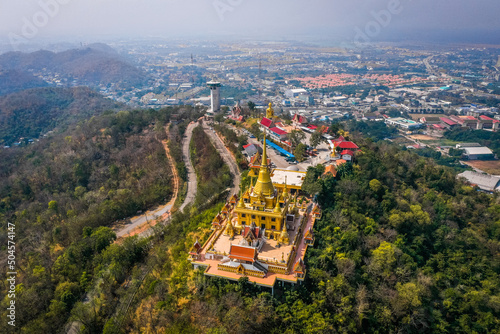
(137, 221)
(192, 182)
(227, 157)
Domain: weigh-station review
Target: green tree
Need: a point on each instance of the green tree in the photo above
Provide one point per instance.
(312, 182)
(53, 206)
(316, 138)
(219, 117)
(345, 170)
(300, 152)
(296, 137)
(383, 258)
(251, 105)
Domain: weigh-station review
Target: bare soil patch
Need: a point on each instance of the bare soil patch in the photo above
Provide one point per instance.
(488, 166)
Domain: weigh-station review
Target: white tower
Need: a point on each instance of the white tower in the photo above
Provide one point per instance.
(215, 94)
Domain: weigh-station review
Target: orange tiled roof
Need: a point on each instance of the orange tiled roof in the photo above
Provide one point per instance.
(243, 253)
(309, 235)
(299, 266)
(340, 162)
(330, 169)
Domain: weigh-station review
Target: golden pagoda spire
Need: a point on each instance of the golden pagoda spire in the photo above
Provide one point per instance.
(230, 229)
(284, 238)
(277, 209)
(264, 185)
(241, 204)
(285, 190)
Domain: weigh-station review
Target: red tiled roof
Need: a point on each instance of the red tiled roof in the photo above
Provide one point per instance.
(278, 131)
(338, 140)
(254, 233)
(299, 118)
(348, 145)
(237, 118)
(266, 122)
(447, 121)
(243, 253)
(437, 126)
(196, 248)
(348, 152)
(312, 127)
(486, 118)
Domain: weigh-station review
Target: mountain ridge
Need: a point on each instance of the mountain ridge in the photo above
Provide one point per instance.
(93, 65)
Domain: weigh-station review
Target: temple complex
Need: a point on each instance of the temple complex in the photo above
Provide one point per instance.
(264, 232)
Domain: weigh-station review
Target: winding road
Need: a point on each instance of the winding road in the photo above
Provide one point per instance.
(192, 181)
(226, 156)
(140, 224)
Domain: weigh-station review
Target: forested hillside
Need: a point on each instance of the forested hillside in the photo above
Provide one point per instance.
(403, 246)
(14, 81)
(213, 175)
(93, 65)
(62, 192)
(33, 112)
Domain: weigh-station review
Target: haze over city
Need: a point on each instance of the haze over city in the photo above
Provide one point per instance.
(427, 20)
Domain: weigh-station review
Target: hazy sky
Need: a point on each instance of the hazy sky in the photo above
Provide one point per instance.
(246, 18)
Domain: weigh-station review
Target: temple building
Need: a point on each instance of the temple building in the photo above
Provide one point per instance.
(263, 233)
(236, 113)
(262, 205)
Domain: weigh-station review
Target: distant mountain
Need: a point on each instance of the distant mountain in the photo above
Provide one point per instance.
(93, 65)
(33, 112)
(12, 81)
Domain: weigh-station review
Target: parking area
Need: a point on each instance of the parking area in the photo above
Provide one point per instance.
(323, 152)
(281, 162)
(275, 157)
